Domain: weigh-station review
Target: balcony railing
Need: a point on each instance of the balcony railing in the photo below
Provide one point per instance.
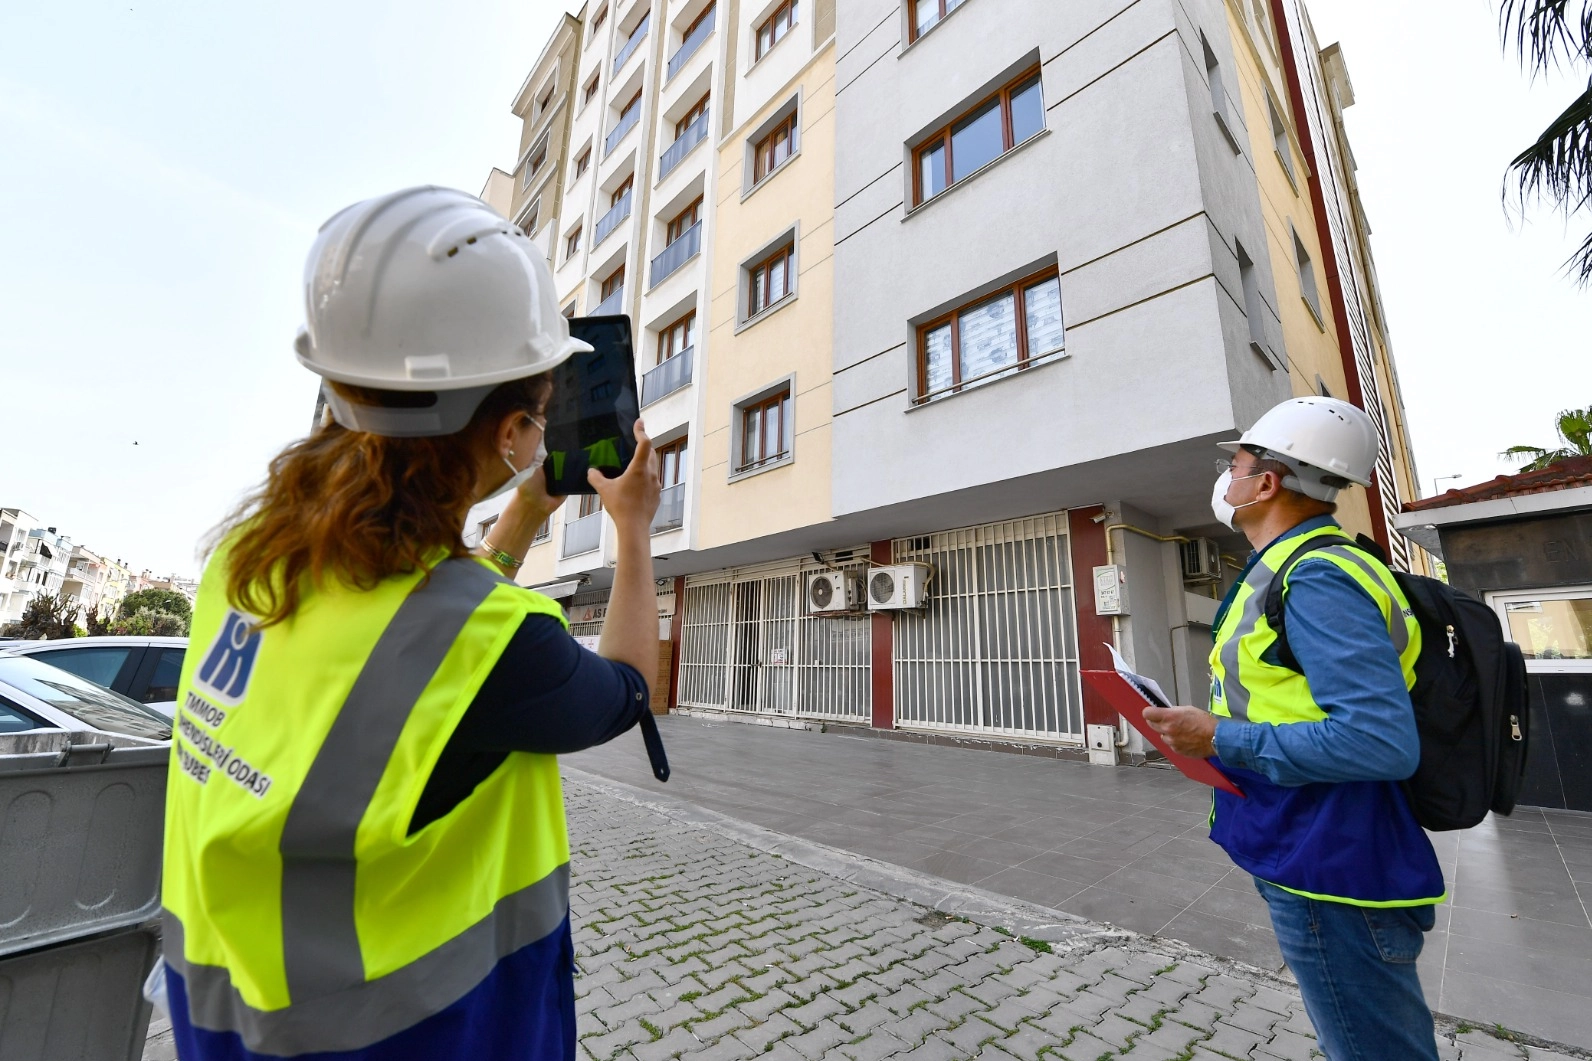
(614, 303)
(689, 46)
(668, 377)
(583, 535)
(627, 122)
(637, 35)
(690, 137)
(612, 219)
(687, 246)
(671, 509)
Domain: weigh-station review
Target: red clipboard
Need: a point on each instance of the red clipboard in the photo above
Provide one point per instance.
(1130, 704)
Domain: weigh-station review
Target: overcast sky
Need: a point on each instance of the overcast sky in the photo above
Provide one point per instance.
(167, 163)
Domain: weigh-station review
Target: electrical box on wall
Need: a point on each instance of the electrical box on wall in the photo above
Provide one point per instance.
(1102, 745)
(1111, 590)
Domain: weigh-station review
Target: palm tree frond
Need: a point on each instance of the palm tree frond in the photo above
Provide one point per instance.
(1558, 168)
(1547, 32)
(1520, 453)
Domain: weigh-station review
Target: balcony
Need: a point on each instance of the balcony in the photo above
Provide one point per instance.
(614, 303)
(612, 219)
(676, 254)
(689, 46)
(671, 508)
(660, 382)
(583, 535)
(693, 135)
(637, 35)
(627, 122)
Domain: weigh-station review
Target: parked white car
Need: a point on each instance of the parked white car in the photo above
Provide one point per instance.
(144, 668)
(35, 695)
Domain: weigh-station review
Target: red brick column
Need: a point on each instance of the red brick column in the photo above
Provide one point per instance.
(676, 625)
(883, 668)
(1086, 541)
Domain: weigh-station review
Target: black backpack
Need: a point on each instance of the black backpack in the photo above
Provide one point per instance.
(1471, 699)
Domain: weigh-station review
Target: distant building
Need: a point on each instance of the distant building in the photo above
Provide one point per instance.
(34, 563)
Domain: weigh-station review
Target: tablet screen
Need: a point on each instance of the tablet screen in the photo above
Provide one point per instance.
(592, 415)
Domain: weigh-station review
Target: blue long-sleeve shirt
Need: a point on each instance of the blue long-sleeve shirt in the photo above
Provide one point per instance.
(1341, 641)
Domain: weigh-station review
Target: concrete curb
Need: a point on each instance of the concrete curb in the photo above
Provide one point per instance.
(1066, 932)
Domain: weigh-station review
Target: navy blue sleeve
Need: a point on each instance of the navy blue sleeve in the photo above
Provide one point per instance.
(549, 695)
(1342, 643)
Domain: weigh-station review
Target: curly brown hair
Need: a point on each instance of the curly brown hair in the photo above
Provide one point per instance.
(360, 508)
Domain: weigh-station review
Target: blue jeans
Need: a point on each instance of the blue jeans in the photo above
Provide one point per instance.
(1356, 969)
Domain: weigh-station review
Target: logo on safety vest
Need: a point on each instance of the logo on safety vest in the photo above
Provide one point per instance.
(224, 674)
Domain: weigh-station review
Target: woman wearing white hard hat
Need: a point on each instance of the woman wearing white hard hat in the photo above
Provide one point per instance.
(366, 853)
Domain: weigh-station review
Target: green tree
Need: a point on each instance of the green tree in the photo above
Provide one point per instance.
(1557, 168)
(1575, 435)
(51, 617)
(160, 600)
(150, 622)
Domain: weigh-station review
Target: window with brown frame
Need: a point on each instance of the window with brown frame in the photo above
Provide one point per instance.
(629, 108)
(598, 19)
(622, 191)
(771, 280)
(614, 282)
(572, 244)
(529, 227)
(590, 505)
(980, 136)
(774, 149)
(544, 532)
(775, 28)
(765, 428)
(676, 338)
(991, 338)
(926, 14)
(591, 88)
(537, 160)
(547, 100)
(583, 163)
(671, 463)
(697, 110)
(707, 12)
(681, 223)
(569, 310)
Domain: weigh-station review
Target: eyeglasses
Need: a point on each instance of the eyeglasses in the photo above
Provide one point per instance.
(1227, 464)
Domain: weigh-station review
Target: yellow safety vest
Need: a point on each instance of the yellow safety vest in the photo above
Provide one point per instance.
(1353, 842)
(300, 912)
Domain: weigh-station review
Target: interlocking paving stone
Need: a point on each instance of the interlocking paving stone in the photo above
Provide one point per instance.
(692, 943)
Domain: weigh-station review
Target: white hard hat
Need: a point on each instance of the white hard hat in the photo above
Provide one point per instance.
(1328, 443)
(431, 290)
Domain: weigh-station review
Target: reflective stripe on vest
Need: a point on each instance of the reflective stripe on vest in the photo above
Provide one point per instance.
(342, 844)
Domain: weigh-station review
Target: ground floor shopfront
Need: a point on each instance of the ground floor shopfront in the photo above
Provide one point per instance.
(994, 654)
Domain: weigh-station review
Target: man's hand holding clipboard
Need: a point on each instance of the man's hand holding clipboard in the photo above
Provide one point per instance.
(1185, 735)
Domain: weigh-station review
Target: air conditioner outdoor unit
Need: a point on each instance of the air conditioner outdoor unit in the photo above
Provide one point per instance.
(897, 587)
(1202, 561)
(831, 591)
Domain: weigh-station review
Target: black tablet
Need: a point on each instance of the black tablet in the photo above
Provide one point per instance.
(591, 418)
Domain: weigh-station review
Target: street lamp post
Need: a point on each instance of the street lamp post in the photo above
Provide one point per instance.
(1443, 478)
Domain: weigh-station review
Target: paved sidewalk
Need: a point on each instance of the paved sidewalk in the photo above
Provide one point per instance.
(697, 938)
(1129, 847)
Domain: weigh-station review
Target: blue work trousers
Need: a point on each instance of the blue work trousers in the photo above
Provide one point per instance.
(1356, 969)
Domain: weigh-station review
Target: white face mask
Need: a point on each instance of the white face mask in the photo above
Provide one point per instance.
(1219, 505)
(516, 480)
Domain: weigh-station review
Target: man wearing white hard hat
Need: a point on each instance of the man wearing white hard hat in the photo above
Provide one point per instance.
(1319, 743)
(366, 853)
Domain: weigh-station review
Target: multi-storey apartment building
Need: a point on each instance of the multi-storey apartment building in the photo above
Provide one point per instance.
(33, 562)
(966, 290)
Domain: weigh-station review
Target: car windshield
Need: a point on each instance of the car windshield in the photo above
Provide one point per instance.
(92, 705)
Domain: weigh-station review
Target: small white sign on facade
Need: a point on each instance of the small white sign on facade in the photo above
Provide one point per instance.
(779, 657)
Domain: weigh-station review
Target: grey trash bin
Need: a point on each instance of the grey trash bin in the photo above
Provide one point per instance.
(78, 1001)
(81, 819)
